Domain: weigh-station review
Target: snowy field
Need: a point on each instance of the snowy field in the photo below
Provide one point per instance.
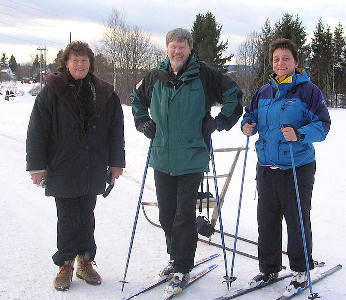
(28, 219)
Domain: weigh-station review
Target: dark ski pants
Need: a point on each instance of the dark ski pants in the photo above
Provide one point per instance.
(277, 199)
(177, 197)
(75, 228)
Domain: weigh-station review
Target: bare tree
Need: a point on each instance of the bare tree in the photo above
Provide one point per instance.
(246, 63)
(111, 39)
(131, 52)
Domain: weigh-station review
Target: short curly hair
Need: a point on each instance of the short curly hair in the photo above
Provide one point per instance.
(283, 44)
(78, 48)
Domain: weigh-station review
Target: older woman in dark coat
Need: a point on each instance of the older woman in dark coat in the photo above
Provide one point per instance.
(75, 141)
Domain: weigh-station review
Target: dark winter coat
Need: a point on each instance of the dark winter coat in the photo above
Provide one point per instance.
(74, 139)
(178, 106)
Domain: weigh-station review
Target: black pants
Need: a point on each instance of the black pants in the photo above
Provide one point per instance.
(277, 199)
(177, 197)
(75, 228)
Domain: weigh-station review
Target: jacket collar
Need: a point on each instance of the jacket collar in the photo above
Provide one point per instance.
(290, 81)
(189, 71)
(62, 86)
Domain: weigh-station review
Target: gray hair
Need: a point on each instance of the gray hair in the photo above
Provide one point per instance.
(179, 34)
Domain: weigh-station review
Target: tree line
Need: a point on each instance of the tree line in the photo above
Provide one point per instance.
(21, 71)
(126, 53)
(324, 57)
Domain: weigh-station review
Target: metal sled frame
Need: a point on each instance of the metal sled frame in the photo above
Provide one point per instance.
(212, 204)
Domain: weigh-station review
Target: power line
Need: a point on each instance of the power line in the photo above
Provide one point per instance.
(26, 19)
(37, 41)
(34, 8)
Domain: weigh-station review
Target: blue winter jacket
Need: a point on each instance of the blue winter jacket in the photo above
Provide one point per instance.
(297, 102)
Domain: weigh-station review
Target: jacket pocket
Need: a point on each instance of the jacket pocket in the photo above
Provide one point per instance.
(260, 150)
(194, 143)
(284, 157)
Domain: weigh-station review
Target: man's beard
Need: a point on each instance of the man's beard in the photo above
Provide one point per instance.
(177, 64)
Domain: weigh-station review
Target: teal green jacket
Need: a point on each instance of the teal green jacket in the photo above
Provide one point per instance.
(179, 104)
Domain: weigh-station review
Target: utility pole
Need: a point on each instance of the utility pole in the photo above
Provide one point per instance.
(41, 58)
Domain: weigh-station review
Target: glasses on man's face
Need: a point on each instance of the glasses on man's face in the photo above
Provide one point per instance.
(82, 61)
(174, 48)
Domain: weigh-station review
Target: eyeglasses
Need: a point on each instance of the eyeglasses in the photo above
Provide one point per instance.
(180, 48)
(76, 61)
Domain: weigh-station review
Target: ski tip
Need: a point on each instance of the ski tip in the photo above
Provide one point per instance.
(212, 266)
(214, 255)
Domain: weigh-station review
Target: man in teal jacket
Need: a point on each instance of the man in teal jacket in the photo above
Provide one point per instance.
(179, 94)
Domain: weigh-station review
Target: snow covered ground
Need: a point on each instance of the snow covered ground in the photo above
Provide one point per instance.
(28, 219)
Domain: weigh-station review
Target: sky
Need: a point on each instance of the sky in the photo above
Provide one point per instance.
(26, 25)
(28, 218)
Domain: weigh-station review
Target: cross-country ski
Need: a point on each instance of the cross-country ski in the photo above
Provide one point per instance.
(242, 291)
(193, 278)
(316, 277)
(163, 279)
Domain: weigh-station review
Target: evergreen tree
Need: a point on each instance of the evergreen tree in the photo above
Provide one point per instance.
(36, 67)
(321, 62)
(53, 67)
(287, 27)
(264, 68)
(339, 64)
(3, 60)
(291, 28)
(12, 64)
(58, 56)
(206, 39)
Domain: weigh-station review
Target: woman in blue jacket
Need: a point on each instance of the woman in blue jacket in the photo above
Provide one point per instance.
(289, 109)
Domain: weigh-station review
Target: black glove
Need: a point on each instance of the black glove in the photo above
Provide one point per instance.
(148, 127)
(210, 125)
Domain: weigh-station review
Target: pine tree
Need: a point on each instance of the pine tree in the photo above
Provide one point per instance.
(264, 68)
(287, 27)
(206, 39)
(53, 67)
(321, 62)
(3, 60)
(291, 28)
(36, 67)
(339, 64)
(12, 64)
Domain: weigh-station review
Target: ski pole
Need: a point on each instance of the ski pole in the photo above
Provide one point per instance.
(136, 217)
(239, 207)
(219, 213)
(312, 295)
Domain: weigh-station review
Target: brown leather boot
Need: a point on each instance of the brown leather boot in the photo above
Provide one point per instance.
(86, 271)
(63, 279)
